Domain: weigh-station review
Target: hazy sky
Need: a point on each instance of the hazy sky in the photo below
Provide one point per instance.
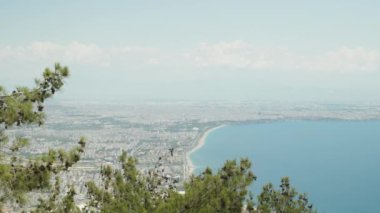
(325, 50)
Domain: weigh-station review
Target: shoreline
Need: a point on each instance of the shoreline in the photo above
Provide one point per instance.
(201, 140)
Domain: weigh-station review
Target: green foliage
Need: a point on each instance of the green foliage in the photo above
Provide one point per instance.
(58, 204)
(18, 174)
(126, 190)
(24, 105)
(286, 199)
(123, 190)
(224, 191)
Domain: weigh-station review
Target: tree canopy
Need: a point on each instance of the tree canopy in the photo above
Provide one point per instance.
(23, 106)
(126, 190)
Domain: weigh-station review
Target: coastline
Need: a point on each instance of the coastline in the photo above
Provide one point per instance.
(190, 167)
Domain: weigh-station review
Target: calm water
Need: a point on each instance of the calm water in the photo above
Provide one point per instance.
(336, 162)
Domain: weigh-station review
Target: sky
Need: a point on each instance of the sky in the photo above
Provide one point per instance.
(295, 50)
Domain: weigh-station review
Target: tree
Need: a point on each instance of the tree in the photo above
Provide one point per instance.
(24, 106)
(124, 190)
(224, 191)
(127, 190)
(284, 200)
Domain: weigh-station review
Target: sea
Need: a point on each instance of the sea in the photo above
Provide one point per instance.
(337, 163)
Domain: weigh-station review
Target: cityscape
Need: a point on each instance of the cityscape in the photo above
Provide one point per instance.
(148, 131)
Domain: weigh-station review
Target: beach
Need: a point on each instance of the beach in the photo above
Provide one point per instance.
(190, 167)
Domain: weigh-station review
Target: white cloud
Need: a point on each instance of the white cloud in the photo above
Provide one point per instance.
(239, 54)
(76, 52)
(232, 55)
(351, 59)
(235, 54)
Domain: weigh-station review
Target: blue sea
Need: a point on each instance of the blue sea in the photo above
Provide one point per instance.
(337, 163)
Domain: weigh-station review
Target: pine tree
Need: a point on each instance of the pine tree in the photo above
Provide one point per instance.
(127, 190)
(24, 106)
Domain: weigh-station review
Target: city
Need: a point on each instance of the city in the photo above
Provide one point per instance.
(148, 131)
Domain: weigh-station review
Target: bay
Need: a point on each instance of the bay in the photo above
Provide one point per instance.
(337, 163)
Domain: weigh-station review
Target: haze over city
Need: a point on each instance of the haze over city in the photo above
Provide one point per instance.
(302, 51)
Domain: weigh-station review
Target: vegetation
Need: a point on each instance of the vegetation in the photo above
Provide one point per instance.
(24, 106)
(124, 189)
